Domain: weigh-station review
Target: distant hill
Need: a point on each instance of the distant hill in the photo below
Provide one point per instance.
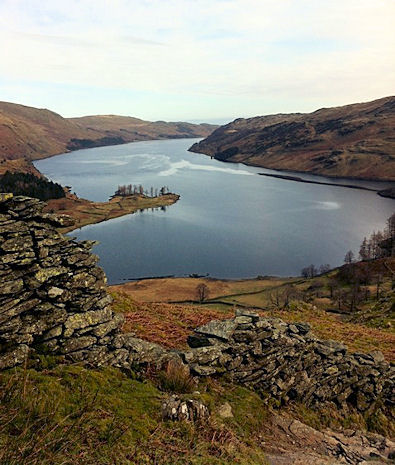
(353, 141)
(33, 133)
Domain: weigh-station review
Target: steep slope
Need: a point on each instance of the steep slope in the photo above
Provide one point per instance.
(27, 132)
(32, 133)
(354, 141)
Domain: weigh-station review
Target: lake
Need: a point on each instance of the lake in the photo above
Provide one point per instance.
(229, 222)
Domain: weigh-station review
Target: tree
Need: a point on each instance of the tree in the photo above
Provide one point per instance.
(309, 271)
(325, 268)
(349, 257)
(202, 292)
(364, 250)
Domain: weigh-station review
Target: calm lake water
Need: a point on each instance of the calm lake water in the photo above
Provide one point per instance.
(229, 222)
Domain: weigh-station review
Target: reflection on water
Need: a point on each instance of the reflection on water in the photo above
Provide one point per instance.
(229, 221)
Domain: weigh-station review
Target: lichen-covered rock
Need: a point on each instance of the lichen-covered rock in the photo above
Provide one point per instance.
(176, 409)
(53, 296)
(287, 362)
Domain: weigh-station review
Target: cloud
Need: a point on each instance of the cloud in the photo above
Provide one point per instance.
(293, 52)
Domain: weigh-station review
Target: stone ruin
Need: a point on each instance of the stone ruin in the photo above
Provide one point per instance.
(53, 300)
(53, 297)
(287, 362)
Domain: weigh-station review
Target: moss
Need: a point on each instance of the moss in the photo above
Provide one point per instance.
(69, 414)
(329, 416)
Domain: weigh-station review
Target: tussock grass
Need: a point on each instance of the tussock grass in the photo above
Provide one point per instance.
(176, 378)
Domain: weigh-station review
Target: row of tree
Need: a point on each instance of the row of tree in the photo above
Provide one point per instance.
(381, 243)
(311, 271)
(31, 186)
(130, 189)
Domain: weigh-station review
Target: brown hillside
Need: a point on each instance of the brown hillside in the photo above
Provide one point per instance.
(33, 133)
(131, 129)
(354, 141)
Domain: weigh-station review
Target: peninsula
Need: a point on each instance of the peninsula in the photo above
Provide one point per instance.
(86, 212)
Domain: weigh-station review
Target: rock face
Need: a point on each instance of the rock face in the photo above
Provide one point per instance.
(53, 296)
(287, 362)
(351, 141)
(53, 300)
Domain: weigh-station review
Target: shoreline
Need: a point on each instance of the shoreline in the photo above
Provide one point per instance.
(388, 191)
(86, 212)
(311, 173)
(322, 183)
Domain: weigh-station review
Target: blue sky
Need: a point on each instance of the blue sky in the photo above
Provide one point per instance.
(199, 60)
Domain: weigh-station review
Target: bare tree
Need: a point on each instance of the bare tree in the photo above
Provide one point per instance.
(202, 292)
(309, 271)
(364, 250)
(325, 268)
(349, 257)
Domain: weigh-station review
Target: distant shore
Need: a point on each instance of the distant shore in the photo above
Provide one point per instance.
(390, 192)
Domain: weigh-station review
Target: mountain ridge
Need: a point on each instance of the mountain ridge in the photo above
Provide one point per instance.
(33, 133)
(355, 141)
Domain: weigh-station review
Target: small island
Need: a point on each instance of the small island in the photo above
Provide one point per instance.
(126, 200)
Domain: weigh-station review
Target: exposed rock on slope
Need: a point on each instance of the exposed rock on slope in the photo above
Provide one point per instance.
(352, 141)
(38, 133)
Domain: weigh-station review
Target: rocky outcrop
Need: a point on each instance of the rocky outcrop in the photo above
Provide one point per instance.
(286, 361)
(53, 297)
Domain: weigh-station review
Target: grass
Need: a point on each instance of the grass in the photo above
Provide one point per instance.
(165, 324)
(70, 415)
(170, 324)
(356, 336)
(182, 289)
(176, 378)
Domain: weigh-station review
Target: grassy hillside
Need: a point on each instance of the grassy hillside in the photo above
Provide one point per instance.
(131, 129)
(352, 141)
(157, 307)
(71, 415)
(56, 414)
(33, 133)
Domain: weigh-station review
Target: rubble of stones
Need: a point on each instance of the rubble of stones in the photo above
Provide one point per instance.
(176, 409)
(286, 361)
(53, 297)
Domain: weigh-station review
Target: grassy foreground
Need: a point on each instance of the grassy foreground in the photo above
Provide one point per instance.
(67, 415)
(72, 415)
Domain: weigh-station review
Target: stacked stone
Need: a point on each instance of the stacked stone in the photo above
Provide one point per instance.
(287, 362)
(53, 297)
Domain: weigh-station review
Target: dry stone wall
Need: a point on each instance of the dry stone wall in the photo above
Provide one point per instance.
(53, 299)
(286, 361)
